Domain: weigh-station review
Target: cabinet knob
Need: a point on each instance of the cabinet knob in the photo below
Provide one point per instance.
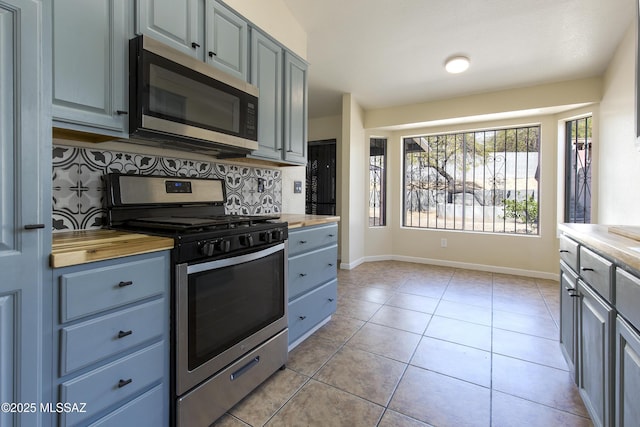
(195, 45)
(212, 54)
(123, 383)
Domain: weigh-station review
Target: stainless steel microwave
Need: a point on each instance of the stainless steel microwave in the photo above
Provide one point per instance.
(181, 102)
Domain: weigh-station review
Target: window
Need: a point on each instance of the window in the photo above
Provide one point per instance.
(483, 181)
(377, 181)
(577, 203)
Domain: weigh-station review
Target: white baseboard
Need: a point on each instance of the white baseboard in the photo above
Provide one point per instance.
(454, 264)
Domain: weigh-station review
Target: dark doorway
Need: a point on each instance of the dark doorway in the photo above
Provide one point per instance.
(321, 178)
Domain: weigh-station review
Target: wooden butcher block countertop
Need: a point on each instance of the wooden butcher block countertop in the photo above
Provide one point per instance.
(302, 220)
(80, 247)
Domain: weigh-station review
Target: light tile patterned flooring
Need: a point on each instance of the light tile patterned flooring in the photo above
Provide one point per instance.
(416, 345)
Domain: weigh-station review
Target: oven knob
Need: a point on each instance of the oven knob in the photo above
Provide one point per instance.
(224, 246)
(208, 248)
(266, 237)
(277, 235)
(246, 240)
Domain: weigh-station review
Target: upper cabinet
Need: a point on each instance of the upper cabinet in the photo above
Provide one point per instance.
(90, 65)
(282, 80)
(295, 109)
(206, 30)
(176, 23)
(226, 40)
(266, 74)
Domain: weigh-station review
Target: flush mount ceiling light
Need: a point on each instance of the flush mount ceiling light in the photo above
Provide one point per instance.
(457, 64)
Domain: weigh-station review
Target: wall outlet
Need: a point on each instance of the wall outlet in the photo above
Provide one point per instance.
(297, 186)
(260, 185)
(443, 243)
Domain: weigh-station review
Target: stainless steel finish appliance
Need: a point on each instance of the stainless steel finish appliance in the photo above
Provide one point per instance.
(180, 101)
(229, 319)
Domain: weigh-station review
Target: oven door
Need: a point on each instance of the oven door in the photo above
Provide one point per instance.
(225, 308)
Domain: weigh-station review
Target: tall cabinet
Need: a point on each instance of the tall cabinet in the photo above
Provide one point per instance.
(25, 204)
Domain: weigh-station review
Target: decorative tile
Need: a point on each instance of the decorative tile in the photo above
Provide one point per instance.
(78, 186)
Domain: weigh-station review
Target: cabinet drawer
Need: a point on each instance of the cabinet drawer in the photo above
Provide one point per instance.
(569, 252)
(140, 412)
(309, 310)
(90, 341)
(115, 382)
(597, 272)
(91, 291)
(311, 269)
(310, 238)
(628, 297)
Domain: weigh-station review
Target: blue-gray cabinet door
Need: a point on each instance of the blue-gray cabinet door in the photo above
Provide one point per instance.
(226, 40)
(176, 23)
(295, 109)
(25, 203)
(627, 404)
(266, 74)
(595, 350)
(90, 65)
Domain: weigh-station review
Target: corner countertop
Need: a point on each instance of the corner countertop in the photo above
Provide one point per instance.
(81, 247)
(302, 220)
(619, 242)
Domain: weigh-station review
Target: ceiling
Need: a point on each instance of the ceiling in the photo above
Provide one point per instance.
(392, 52)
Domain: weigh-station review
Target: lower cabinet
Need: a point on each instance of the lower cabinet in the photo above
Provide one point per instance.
(111, 344)
(627, 382)
(312, 285)
(569, 317)
(595, 346)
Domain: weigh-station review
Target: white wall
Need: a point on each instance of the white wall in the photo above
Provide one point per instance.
(526, 255)
(354, 185)
(618, 158)
(274, 18)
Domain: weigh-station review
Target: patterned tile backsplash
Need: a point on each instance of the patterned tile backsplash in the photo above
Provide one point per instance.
(78, 187)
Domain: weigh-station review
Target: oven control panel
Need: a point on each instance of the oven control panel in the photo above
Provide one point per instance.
(225, 244)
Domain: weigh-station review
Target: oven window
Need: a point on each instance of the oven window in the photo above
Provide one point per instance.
(228, 304)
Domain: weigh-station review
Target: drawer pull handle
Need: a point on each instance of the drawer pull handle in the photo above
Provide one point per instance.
(123, 383)
(586, 269)
(245, 368)
(195, 45)
(124, 284)
(303, 274)
(303, 317)
(33, 226)
(123, 334)
(302, 242)
(330, 264)
(331, 235)
(563, 251)
(122, 112)
(330, 299)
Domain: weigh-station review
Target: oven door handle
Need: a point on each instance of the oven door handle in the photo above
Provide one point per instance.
(228, 262)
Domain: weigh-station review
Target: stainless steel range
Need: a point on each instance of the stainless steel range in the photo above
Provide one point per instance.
(229, 310)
